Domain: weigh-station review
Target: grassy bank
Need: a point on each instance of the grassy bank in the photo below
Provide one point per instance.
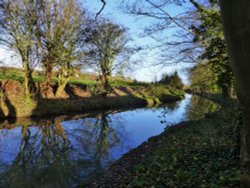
(79, 98)
(10, 73)
(200, 153)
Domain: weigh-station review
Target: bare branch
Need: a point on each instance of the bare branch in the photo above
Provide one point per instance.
(100, 11)
(170, 17)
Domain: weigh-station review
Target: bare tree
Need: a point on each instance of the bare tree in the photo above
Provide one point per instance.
(106, 44)
(102, 8)
(170, 48)
(17, 32)
(60, 36)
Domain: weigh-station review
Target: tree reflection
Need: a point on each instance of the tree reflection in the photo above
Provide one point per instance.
(43, 157)
(199, 106)
(100, 137)
(107, 139)
(173, 106)
(53, 155)
(166, 110)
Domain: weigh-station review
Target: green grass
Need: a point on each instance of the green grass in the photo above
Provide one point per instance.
(7, 73)
(11, 74)
(126, 83)
(83, 82)
(160, 92)
(86, 79)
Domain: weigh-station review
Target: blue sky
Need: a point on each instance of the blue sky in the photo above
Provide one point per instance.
(144, 71)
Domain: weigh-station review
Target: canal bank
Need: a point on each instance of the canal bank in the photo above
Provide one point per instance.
(79, 148)
(79, 99)
(203, 152)
(75, 147)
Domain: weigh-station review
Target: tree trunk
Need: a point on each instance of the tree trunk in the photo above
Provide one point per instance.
(106, 82)
(61, 87)
(48, 74)
(236, 25)
(106, 85)
(47, 89)
(28, 81)
(225, 92)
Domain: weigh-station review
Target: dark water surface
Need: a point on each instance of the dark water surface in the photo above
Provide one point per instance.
(65, 151)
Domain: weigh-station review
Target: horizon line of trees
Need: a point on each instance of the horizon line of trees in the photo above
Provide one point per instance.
(172, 80)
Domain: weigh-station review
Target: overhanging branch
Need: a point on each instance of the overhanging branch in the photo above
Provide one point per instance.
(100, 11)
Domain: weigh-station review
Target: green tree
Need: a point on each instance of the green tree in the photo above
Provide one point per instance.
(165, 79)
(175, 81)
(202, 79)
(201, 35)
(209, 35)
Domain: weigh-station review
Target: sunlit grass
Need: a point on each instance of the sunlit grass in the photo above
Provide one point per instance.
(85, 79)
(83, 82)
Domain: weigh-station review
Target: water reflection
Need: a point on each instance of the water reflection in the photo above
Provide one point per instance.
(41, 156)
(98, 138)
(64, 151)
(199, 106)
(52, 154)
(175, 111)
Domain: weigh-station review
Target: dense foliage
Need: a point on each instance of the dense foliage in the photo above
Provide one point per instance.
(202, 79)
(209, 35)
(173, 80)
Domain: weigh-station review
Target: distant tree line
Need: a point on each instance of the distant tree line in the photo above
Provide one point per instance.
(173, 80)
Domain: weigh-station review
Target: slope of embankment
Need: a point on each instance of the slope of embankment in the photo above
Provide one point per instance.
(78, 98)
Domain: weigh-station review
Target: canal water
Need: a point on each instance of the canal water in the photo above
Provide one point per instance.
(65, 151)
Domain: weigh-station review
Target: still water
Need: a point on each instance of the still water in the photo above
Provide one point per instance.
(65, 151)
